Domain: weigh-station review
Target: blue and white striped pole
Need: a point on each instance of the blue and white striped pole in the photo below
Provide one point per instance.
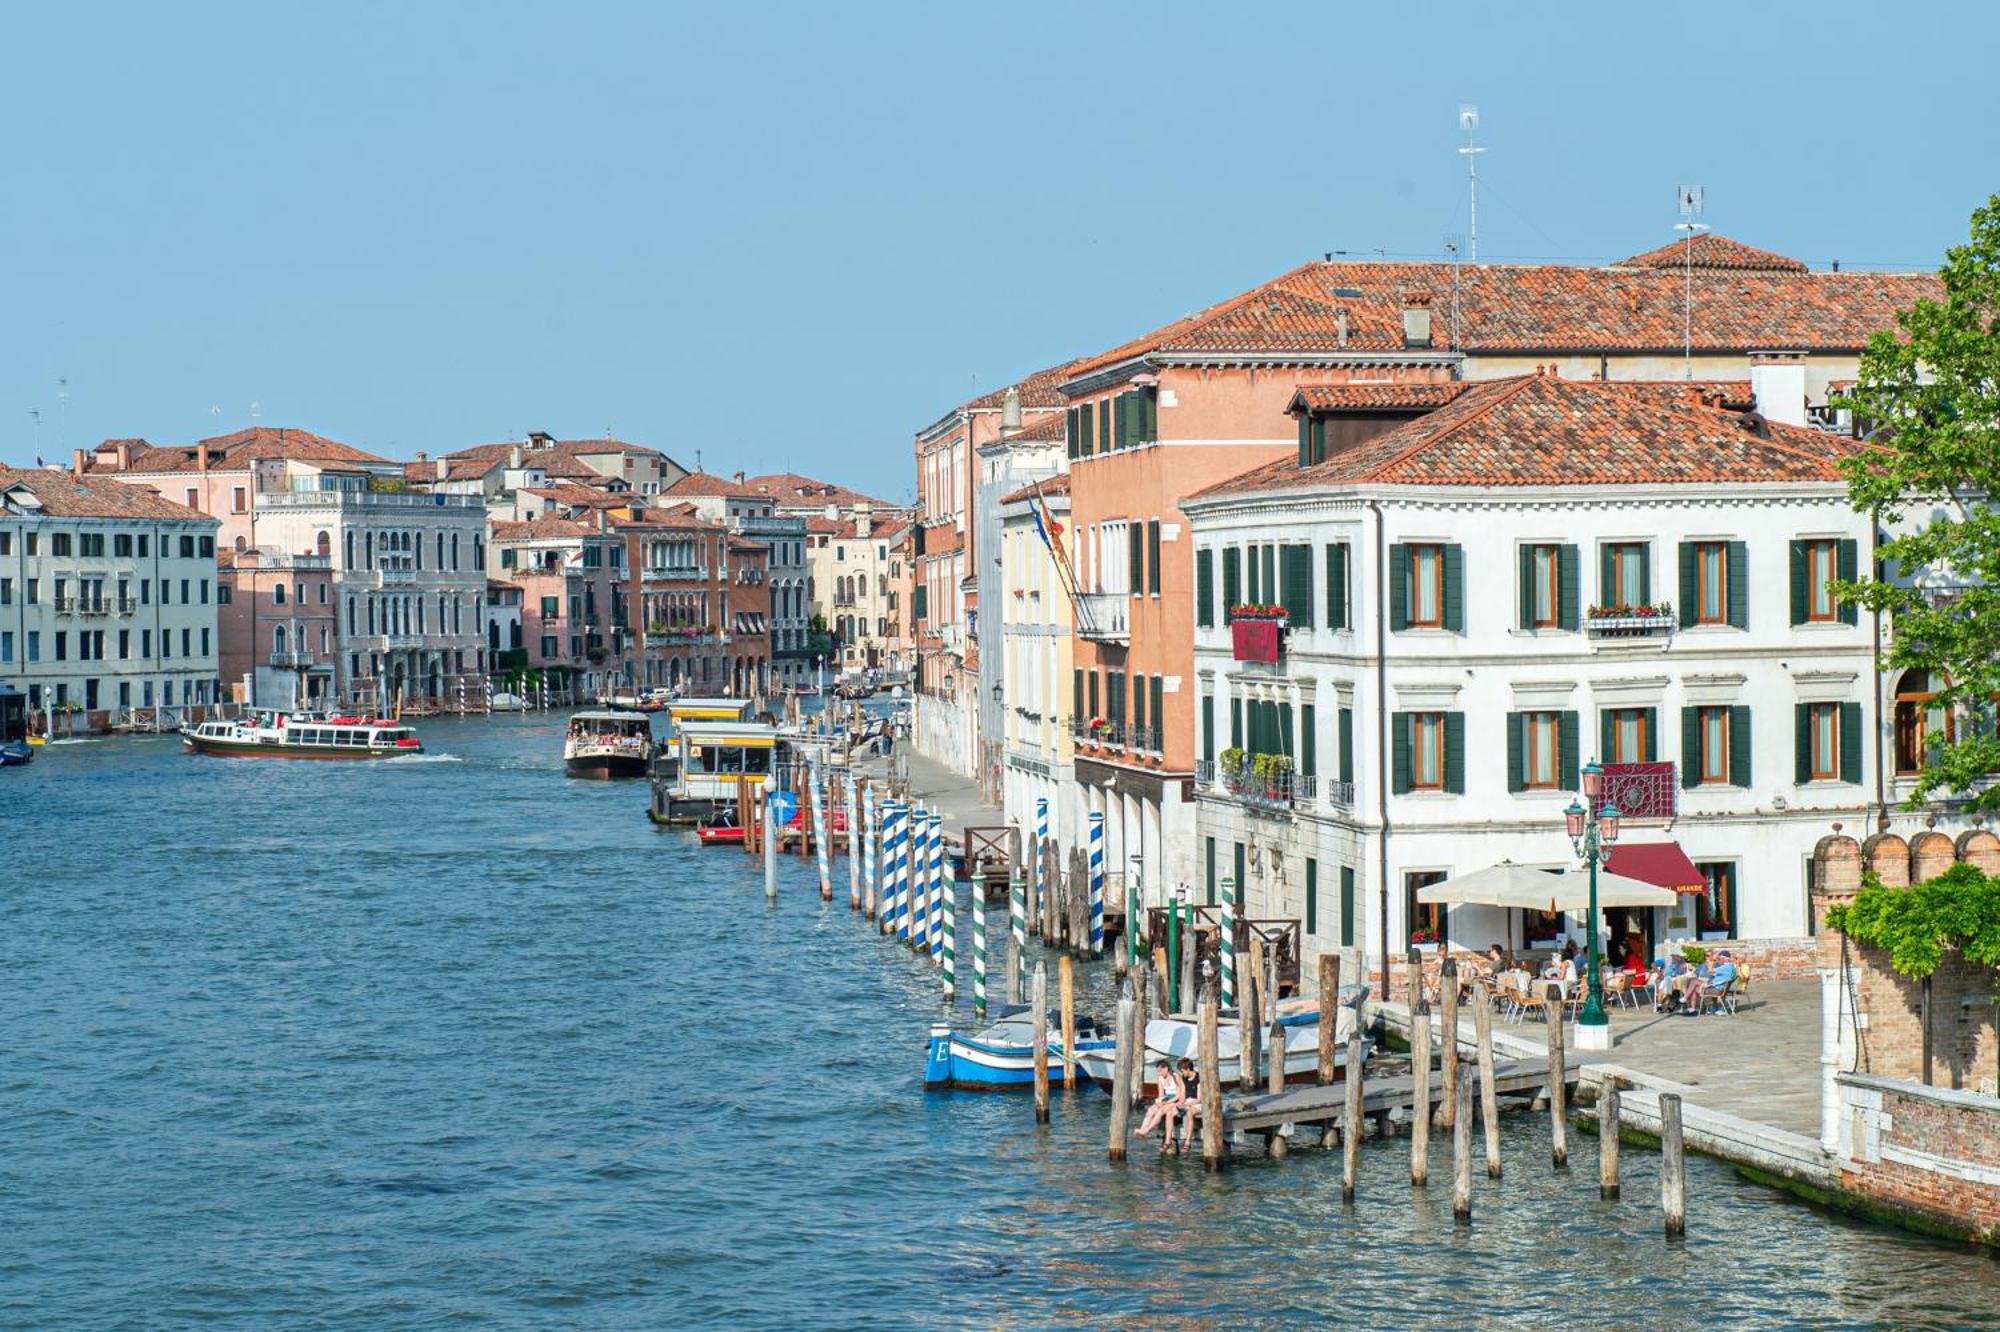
(1035, 856)
(940, 885)
(920, 861)
(895, 829)
(869, 832)
(1096, 883)
(816, 783)
(853, 803)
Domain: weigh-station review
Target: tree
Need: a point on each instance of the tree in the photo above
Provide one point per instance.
(1929, 395)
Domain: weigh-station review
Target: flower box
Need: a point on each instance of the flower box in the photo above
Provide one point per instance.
(1628, 621)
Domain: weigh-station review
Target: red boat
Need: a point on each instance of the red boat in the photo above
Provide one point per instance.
(721, 829)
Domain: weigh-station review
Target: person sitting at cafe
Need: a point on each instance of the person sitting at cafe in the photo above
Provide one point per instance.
(1666, 981)
(1561, 971)
(1635, 963)
(1713, 975)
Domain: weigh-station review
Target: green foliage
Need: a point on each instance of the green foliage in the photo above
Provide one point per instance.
(1930, 396)
(1694, 954)
(1959, 909)
(1270, 767)
(1231, 760)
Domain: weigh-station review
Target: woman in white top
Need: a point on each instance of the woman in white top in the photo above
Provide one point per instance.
(1164, 1106)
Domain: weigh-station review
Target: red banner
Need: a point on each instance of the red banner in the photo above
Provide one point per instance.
(1258, 640)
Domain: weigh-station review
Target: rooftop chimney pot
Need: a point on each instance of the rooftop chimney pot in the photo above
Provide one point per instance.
(1778, 383)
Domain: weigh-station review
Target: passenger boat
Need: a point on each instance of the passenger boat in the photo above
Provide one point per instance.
(608, 742)
(706, 763)
(1175, 1038)
(1001, 1057)
(269, 733)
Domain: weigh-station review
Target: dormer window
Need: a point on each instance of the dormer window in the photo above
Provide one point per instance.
(1312, 439)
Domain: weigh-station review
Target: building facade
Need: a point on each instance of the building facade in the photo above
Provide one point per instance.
(575, 633)
(1037, 617)
(278, 628)
(856, 583)
(108, 603)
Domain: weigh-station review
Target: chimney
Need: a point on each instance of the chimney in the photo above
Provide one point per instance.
(76, 463)
(1417, 321)
(201, 457)
(124, 450)
(1340, 326)
(514, 457)
(1010, 414)
(442, 469)
(739, 478)
(422, 456)
(1778, 383)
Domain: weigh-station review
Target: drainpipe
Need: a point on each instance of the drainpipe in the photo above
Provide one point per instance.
(1382, 732)
(1875, 618)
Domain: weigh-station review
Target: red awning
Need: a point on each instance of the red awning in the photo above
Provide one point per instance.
(1662, 863)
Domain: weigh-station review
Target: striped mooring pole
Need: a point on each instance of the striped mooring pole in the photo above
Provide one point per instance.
(1228, 944)
(895, 824)
(869, 837)
(940, 886)
(1096, 883)
(916, 895)
(1035, 852)
(816, 783)
(948, 951)
(979, 951)
(1017, 921)
(853, 843)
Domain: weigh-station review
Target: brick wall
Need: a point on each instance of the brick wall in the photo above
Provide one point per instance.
(1923, 1150)
(1965, 1024)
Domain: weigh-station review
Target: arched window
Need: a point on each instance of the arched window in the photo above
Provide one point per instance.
(1920, 720)
(323, 544)
(350, 548)
(277, 594)
(351, 629)
(454, 550)
(278, 640)
(368, 547)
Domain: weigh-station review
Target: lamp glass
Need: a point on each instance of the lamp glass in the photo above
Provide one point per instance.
(1607, 824)
(1593, 780)
(1573, 819)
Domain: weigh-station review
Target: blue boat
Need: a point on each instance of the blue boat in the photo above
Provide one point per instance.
(1001, 1057)
(15, 755)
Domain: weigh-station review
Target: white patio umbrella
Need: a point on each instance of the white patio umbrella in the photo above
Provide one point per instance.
(1525, 888)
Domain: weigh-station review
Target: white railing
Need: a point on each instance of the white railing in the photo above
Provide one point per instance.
(1340, 794)
(1105, 616)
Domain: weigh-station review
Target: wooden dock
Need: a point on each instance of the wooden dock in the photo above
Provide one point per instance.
(1326, 1106)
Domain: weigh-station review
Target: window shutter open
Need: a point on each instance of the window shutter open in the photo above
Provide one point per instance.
(1204, 588)
(1236, 723)
(1524, 575)
(1076, 696)
(1305, 440)
(1103, 424)
(1284, 711)
(1159, 714)
(1346, 751)
(1253, 577)
(1271, 591)
(1850, 562)
(1153, 556)
(1850, 743)
(1690, 597)
(1802, 740)
(1298, 586)
(1517, 779)
(1149, 415)
(1646, 575)
(1568, 747)
(1347, 906)
(1336, 585)
(1607, 731)
(1798, 582)
(1231, 584)
(1739, 746)
(1738, 578)
(1135, 554)
(1084, 419)
(1139, 701)
(1208, 852)
(1308, 740)
(1241, 886)
(1074, 433)
(1690, 746)
(1454, 589)
(1607, 574)
(1399, 587)
(1652, 753)
(1569, 592)
(1454, 752)
(1399, 754)
(1207, 728)
(1312, 896)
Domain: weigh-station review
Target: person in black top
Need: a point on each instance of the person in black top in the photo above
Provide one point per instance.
(1190, 1102)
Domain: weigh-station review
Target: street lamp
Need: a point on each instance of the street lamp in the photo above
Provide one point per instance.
(1592, 829)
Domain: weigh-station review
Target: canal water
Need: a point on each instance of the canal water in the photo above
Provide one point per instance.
(456, 1040)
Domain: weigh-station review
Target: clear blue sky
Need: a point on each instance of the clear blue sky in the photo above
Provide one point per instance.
(789, 236)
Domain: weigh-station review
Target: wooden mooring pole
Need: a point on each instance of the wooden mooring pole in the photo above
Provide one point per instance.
(1448, 1029)
(1249, 1030)
(1121, 1081)
(1142, 1006)
(1552, 1010)
(1420, 1098)
(1039, 998)
(1210, 1070)
(1489, 1099)
(1460, 1094)
(1673, 1166)
(1066, 970)
(1329, 1027)
(1607, 1139)
(1279, 1141)
(1351, 1122)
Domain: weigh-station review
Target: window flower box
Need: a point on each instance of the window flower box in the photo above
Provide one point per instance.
(1629, 621)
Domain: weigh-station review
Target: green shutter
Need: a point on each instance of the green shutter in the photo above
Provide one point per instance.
(1569, 591)
(1240, 876)
(1095, 713)
(1607, 732)
(1135, 555)
(1086, 419)
(1336, 585)
(1399, 587)
(1271, 592)
(1399, 755)
(1208, 863)
(1690, 745)
(1312, 896)
(1454, 752)
(1690, 601)
(1298, 590)
(1607, 573)
(1517, 777)
(1454, 589)
(919, 599)
(1254, 579)
(1284, 711)
(1524, 557)
(1645, 575)
(1850, 743)
(1345, 751)
(1231, 584)
(1236, 723)
(1104, 424)
(1799, 601)
(1305, 440)
(1207, 728)
(1149, 421)
(1802, 741)
(1346, 906)
(1074, 432)
(1076, 711)
(1568, 747)
(1159, 713)
(1652, 754)
(1738, 577)
(1308, 740)
(1139, 701)
(1204, 588)
(1153, 556)
(1114, 688)
(1739, 747)
(1850, 561)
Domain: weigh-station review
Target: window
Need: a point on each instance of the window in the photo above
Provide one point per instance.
(1208, 868)
(1429, 921)
(1822, 568)
(277, 594)
(237, 500)
(1347, 906)
(1815, 564)
(91, 543)
(6, 645)
(1426, 587)
(1711, 757)
(59, 543)
(1711, 583)
(1920, 721)
(1541, 587)
(6, 591)
(1823, 742)
(1204, 588)
(1153, 556)
(1628, 735)
(34, 591)
(1427, 752)
(187, 550)
(1715, 909)
(193, 498)
(1312, 440)
(1312, 896)
(34, 645)
(1541, 751)
(1626, 575)
(1336, 585)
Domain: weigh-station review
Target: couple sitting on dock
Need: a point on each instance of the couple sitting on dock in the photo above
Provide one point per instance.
(1179, 1099)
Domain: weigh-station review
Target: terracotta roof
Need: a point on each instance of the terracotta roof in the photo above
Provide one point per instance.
(790, 490)
(235, 452)
(1712, 251)
(1047, 428)
(559, 458)
(708, 483)
(457, 468)
(1545, 431)
(1375, 397)
(64, 495)
(542, 529)
(1040, 390)
(1526, 308)
(585, 497)
(1051, 487)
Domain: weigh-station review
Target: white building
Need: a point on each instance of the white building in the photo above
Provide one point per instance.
(107, 598)
(1034, 666)
(1455, 652)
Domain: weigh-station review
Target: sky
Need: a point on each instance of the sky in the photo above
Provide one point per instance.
(788, 237)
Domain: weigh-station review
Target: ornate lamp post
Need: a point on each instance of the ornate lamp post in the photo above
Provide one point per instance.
(1592, 830)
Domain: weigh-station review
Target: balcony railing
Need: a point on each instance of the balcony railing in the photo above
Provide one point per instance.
(93, 606)
(1204, 772)
(1339, 794)
(1108, 733)
(65, 605)
(1143, 738)
(297, 659)
(128, 605)
(1643, 790)
(1105, 617)
(1629, 621)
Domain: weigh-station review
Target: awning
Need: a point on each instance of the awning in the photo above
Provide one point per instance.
(1663, 863)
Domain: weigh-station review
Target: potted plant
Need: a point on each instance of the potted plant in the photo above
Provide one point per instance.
(1258, 610)
(1423, 938)
(1230, 762)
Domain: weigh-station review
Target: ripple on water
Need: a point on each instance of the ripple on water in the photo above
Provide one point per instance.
(454, 1039)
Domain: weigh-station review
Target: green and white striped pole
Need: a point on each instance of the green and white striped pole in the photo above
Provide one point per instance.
(1228, 943)
(978, 950)
(1017, 921)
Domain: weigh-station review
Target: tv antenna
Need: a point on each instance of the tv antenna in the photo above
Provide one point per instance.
(1453, 248)
(62, 414)
(1468, 120)
(35, 415)
(1690, 226)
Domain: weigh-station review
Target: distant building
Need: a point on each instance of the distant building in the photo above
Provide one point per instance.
(1033, 664)
(855, 585)
(107, 599)
(280, 628)
(571, 575)
(756, 515)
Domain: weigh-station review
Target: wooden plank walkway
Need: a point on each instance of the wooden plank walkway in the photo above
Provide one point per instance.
(1325, 1105)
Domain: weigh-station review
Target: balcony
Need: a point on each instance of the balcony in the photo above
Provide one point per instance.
(1145, 739)
(1257, 635)
(1101, 732)
(690, 573)
(297, 660)
(1339, 794)
(65, 605)
(94, 606)
(1643, 790)
(1629, 622)
(395, 577)
(1105, 617)
(128, 605)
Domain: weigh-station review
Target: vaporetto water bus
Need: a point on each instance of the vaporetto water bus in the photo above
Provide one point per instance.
(608, 742)
(269, 733)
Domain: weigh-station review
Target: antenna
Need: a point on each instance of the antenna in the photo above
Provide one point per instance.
(1453, 248)
(254, 414)
(1690, 203)
(1468, 120)
(62, 414)
(35, 415)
